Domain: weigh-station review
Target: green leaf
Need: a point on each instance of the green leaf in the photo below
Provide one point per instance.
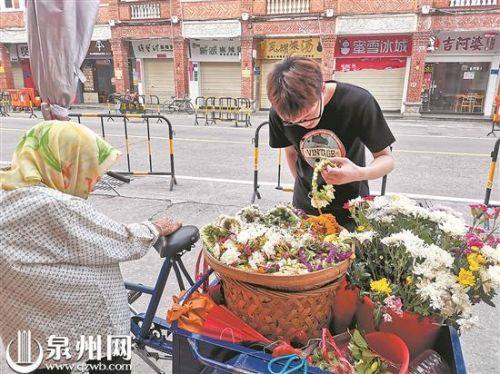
(103, 149)
(46, 152)
(359, 340)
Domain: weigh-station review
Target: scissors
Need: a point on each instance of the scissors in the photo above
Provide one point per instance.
(293, 363)
(289, 364)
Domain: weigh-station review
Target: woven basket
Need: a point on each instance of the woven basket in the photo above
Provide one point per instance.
(280, 314)
(301, 282)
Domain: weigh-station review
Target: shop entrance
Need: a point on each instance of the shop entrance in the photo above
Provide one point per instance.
(455, 87)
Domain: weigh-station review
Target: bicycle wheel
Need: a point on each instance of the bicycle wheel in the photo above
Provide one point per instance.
(189, 108)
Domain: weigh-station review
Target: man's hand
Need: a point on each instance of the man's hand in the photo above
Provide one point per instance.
(167, 226)
(345, 172)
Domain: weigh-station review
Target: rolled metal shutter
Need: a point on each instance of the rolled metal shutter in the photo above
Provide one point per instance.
(387, 86)
(159, 78)
(220, 79)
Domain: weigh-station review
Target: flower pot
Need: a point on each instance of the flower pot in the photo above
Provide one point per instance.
(344, 307)
(391, 348)
(419, 333)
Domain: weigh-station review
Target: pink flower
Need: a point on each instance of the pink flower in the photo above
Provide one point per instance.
(387, 317)
(394, 304)
(369, 198)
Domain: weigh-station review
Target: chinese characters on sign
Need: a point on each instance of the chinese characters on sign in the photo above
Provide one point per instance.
(355, 64)
(276, 49)
(99, 49)
(153, 48)
(215, 50)
(476, 42)
(374, 46)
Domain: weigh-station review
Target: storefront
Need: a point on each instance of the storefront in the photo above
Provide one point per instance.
(378, 63)
(98, 71)
(154, 68)
(461, 73)
(271, 51)
(21, 70)
(215, 68)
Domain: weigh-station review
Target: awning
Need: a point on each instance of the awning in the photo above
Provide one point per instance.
(211, 29)
(20, 36)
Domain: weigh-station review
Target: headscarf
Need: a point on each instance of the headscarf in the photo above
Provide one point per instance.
(66, 156)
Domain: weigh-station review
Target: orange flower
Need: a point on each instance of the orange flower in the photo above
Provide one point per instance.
(66, 173)
(324, 224)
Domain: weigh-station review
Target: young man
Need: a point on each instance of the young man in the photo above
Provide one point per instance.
(313, 119)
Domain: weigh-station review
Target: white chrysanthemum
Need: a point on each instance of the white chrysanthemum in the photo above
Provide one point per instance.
(362, 237)
(494, 275)
(406, 238)
(449, 223)
(492, 254)
(256, 259)
(387, 219)
(215, 250)
(467, 324)
(231, 255)
(250, 232)
(269, 249)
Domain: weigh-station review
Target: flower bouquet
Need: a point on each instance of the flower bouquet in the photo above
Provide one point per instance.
(417, 268)
(280, 242)
(281, 264)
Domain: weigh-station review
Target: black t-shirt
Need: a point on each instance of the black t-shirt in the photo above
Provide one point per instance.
(355, 117)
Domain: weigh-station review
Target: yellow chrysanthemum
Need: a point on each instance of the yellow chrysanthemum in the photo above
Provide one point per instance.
(474, 248)
(333, 238)
(381, 286)
(360, 228)
(409, 280)
(475, 261)
(466, 278)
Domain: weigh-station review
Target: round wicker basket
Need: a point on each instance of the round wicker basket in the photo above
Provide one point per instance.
(302, 282)
(280, 314)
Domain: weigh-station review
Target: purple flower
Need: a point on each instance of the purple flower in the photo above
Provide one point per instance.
(248, 250)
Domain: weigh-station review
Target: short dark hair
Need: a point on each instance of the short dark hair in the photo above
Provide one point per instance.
(294, 84)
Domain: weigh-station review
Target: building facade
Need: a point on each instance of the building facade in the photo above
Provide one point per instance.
(415, 56)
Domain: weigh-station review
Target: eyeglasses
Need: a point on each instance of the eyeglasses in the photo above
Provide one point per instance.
(298, 123)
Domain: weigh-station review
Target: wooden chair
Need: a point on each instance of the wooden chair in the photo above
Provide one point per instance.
(477, 103)
(464, 104)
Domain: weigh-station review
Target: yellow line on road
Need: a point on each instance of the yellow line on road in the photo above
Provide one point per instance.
(197, 140)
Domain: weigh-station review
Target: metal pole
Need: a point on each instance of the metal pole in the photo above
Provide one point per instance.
(491, 174)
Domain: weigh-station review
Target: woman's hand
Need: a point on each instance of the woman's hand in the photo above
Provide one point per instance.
(345, 172)
(167, 226)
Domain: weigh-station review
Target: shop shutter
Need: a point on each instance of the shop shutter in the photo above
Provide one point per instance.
(159, 78)
(17, 73)
(220, 79)
(385, 85)
(265, 68)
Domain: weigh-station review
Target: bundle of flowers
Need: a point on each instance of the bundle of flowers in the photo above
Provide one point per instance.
(282, 241)
(424, 260)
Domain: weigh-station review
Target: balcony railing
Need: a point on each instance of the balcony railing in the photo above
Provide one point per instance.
(466, 3)
(287, 6)
(145, 11)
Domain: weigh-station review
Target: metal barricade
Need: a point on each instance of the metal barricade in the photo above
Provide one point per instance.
(146, 118)
(244, 111)
(200, 110)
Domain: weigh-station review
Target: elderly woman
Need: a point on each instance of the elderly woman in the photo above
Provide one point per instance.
(59, 257)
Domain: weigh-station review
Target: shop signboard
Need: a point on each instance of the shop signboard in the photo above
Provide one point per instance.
(153, 48)
(227, 50)
(373, 46)
(99, 49)
(276, 49)
(468, 43)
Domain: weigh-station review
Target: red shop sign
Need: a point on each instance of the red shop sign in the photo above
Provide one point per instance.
(373, 46)
(355, 64)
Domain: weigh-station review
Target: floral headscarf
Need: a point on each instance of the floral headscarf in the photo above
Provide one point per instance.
(66, 156)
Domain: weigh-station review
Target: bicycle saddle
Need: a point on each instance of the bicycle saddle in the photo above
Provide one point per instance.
(181, 240)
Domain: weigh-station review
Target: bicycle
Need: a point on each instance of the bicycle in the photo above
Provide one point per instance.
(177, 104)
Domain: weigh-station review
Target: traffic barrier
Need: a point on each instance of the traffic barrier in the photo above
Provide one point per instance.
(146, 118)
(495, 118)
(256, 153)
(491, 172)
(228, 109)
